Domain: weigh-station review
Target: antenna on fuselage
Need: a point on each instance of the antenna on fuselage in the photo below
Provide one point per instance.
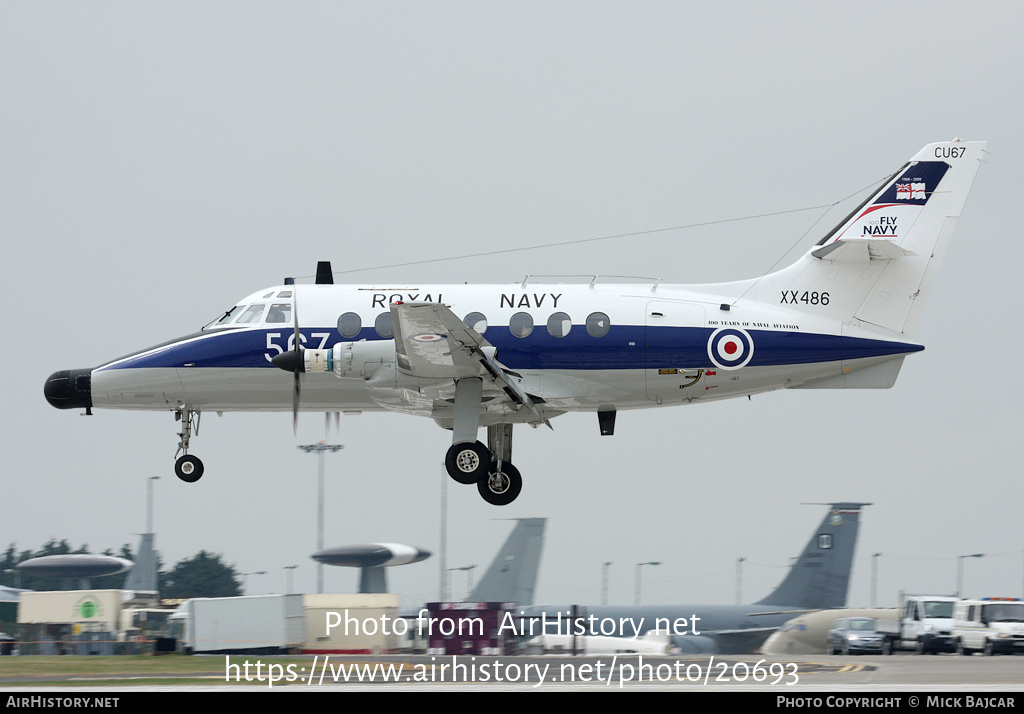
(324, 274)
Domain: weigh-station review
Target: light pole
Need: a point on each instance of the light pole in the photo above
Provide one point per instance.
(245, 579)
(319, 448)
(638, 566)
(291, 570)
(960, 571)
(739, 580)
(604, 582)
(149, 503)
(469, 570)
(874, 579)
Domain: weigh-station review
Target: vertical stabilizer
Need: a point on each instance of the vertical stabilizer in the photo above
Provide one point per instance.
(512, 575)
(876, 268)
(143, 577)
(820, 579)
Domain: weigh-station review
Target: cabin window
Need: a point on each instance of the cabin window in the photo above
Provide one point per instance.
(280, 312)
(252, 314)
(521, 324)
(476, 321)
(383, 325)
(598, 324)
(349, 324)
(559, 324)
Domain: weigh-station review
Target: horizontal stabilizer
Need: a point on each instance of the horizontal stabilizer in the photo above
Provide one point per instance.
(860, 250)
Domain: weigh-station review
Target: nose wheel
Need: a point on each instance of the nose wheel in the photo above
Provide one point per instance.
(188, 468)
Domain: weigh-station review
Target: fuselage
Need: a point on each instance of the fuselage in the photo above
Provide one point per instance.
(576, 347)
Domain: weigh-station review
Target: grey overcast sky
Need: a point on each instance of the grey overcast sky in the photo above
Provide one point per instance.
(159, 161)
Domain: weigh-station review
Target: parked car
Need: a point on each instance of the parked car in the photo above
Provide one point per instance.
(851, 635)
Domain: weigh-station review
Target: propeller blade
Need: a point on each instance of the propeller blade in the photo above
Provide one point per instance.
(295, 404)
(297, 363)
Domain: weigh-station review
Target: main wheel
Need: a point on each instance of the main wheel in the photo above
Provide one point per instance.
(500, 489)
(467, 463)
(188, 468)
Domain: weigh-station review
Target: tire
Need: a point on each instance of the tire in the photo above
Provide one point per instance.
(188, 468)
(990, 649)
(961, 650)
(887, 647)
(467, 463)
(846, 648)
(500, 492)
(921, 648)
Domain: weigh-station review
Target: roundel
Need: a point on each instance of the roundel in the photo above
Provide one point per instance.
(730, 348)
(428, 338)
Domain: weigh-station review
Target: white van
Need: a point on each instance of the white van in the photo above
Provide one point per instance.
(990, 625)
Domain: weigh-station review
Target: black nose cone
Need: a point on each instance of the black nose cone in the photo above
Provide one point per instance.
(69, 389)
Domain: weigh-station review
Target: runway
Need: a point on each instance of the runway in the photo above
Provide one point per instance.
(786, 676)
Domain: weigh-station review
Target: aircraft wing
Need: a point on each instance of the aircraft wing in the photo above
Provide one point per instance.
(432, 342)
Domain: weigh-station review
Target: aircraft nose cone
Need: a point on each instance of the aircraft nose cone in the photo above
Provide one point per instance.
(69, 389)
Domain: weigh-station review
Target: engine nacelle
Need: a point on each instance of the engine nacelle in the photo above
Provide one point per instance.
(351, 359)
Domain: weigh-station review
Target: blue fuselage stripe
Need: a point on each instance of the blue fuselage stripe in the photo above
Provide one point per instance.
(624, 347)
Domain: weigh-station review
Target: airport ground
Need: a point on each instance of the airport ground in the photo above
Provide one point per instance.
(789, 676)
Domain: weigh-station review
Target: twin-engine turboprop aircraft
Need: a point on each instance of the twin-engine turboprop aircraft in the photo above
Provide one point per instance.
(471, 356)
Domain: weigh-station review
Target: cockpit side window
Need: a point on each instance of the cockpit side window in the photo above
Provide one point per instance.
(280, 312)
(251, 314)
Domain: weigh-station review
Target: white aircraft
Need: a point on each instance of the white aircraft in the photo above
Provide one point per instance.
(472, 356)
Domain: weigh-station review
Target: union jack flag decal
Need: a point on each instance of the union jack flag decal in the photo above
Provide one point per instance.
(910, 191)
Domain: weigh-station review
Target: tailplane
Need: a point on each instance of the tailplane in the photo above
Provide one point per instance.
(876, 267)
(820, 578)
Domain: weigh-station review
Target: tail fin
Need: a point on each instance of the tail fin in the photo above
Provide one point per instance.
(820, 578)
(512, 575)
(877, 266)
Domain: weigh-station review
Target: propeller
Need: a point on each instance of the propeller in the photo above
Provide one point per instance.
(294, 361)
(327, 423)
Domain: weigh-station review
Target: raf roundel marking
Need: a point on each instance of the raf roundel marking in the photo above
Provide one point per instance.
(730, 348)
(428, 338)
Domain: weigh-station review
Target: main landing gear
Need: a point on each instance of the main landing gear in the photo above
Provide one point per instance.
(188, 468)
(489, 467)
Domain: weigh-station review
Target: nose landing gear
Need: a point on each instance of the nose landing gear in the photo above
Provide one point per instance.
(186, 467)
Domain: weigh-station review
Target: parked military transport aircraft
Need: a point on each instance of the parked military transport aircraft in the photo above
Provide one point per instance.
(471, 356)
(819, 580)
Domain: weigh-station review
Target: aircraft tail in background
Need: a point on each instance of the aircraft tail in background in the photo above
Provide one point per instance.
(820, 579)
(512, 575)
